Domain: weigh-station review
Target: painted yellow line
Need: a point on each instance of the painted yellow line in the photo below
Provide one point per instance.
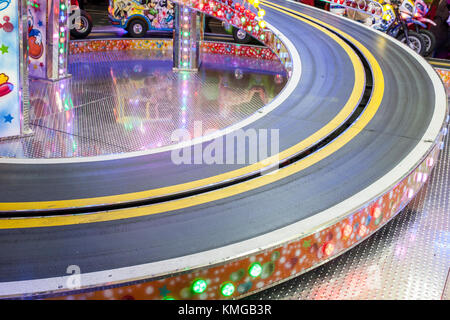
(339, 142)
(437, 63)
(350, 105)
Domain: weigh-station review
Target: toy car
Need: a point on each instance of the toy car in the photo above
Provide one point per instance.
(140, 16)
(82, 25)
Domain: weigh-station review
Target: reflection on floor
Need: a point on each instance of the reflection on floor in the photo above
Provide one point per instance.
(119, 102)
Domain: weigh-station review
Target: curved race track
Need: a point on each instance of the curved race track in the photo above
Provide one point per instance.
(394, 121)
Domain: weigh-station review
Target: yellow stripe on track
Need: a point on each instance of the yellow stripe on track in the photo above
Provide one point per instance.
(438, 63)
(345, 112)
(338, 143)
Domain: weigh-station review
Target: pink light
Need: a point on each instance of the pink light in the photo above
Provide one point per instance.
(419, 176)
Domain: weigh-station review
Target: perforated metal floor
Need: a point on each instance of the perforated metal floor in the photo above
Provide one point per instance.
(123, 101)
(409, 258)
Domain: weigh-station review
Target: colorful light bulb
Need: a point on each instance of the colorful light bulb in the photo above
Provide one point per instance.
(199, 286)
(227, 289)
(255, 269)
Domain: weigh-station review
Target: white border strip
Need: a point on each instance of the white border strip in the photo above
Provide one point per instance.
(267, 241)
(279, 99)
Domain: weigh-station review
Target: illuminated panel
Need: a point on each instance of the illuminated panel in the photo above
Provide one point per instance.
(61, 34)
(10, 72)
(37, 38)
(186, 40)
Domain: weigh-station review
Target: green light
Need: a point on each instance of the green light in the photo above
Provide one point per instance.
(63, 6)
(256, 27)
(255, 269)
(168, 298)
(249, 28)
(227, 289)
(199, 286)
(262, 37)
(243, 20)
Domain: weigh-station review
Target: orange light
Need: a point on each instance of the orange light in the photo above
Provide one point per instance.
(376, 212)
(328, 249)
(347, 230)
(362, 230)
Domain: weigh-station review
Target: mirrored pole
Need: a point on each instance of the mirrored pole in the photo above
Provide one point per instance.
(187, 37)
(48, 39)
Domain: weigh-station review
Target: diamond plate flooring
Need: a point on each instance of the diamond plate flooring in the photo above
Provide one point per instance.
(123, 101)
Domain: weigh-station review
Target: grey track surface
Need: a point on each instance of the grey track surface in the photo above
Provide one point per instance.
(326, 84)
(401, 119)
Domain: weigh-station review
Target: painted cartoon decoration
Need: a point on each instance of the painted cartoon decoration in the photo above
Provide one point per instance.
(159, 13)
(5, 86)
(4, 4)
(35, 46)
(165, 14)
(7, 26)
(121, 10)
(10, 103)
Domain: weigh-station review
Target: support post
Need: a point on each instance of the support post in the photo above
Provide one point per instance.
(187, 36)
(48, 39)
